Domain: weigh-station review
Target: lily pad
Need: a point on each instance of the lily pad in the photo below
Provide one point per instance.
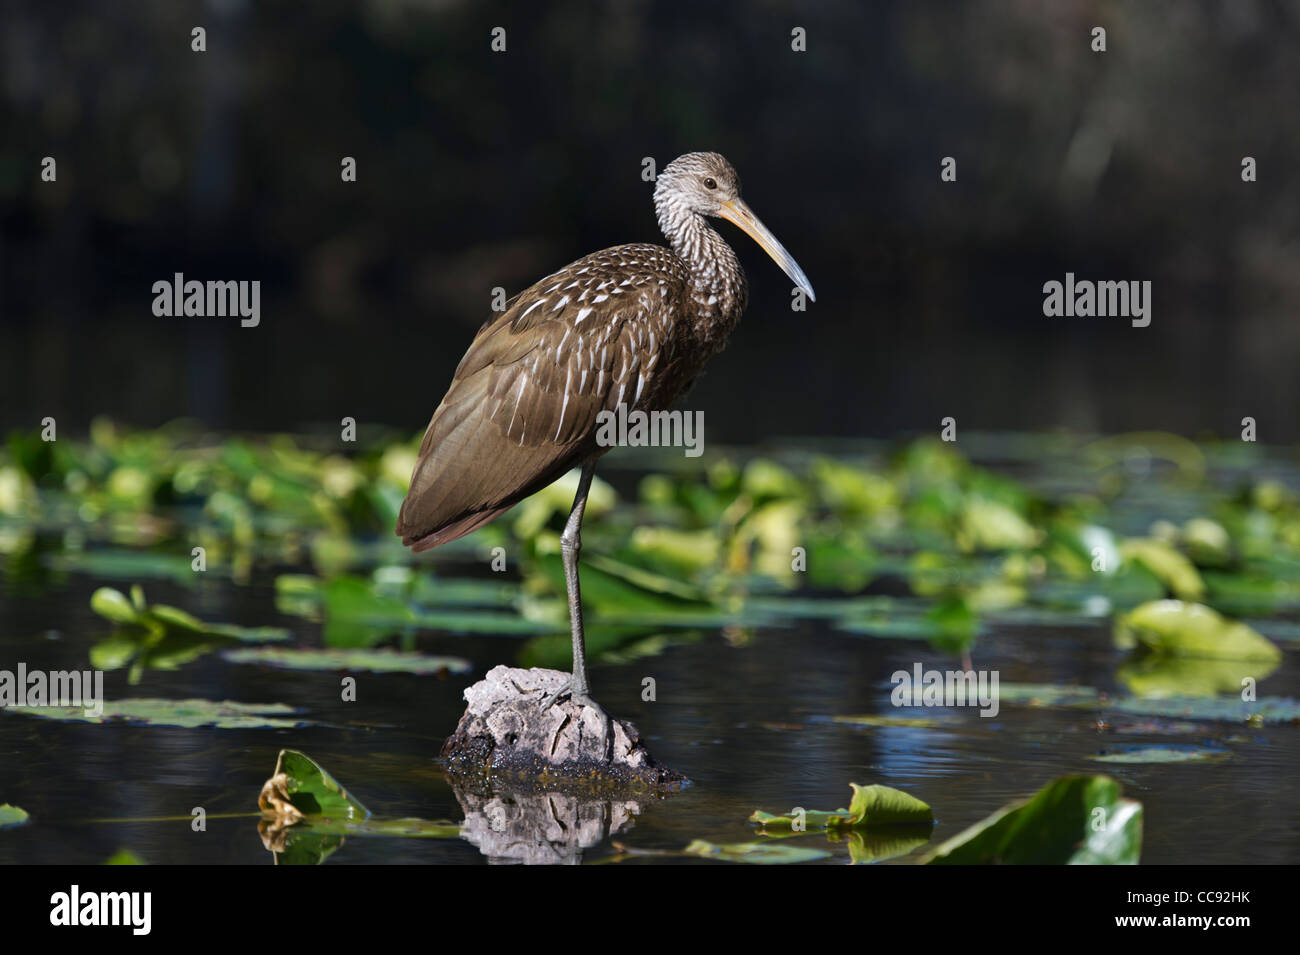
(11, 816)
(374, 661)
(910, 722)
(1047, 694)
(128, 565)
(187, 714)
(1267, 709)
(1073, 820)
(871, 806)
(759, 853)
(1161, 754)
(1177, 628)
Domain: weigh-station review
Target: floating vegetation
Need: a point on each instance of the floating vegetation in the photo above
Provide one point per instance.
(705, 548)
(160, 620)
(160, 637)
(187, 714)
(1177, 628)
(913, 542)
(758, 853)
(871, 806)
(908, 722)
(306, 813)
(1161, 754)
(124, 857)
(1047, 694)
(373, 661)
(11, 816)
(1259, 712)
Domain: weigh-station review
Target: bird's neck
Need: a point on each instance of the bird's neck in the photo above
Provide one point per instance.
(718, 285)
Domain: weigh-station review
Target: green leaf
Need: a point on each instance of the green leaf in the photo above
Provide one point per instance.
(313, 791)
(356, 616)
(11, 815)
(1071, 821)
(307, 812)
(124, 857)
(470, 620)
(871, 806)
(113, 605)
(686, 551)
(187, 714)
(1193, 630)
(1173, 569)
(759, 853)
(174, 618)
(374, 661)
(955, 623)
(992, 525)
(160, 620)
(884, 806)
(1207, 542)
(555, 651)
(813, 820)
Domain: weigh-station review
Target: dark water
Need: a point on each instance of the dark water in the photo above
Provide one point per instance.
(746, 717)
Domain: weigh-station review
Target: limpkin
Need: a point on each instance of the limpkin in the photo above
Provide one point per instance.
(631, 325)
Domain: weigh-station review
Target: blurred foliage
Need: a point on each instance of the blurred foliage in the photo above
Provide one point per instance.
(917, 542)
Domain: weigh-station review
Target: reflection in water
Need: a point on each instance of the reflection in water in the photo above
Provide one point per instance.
(541, 828)
(297, 845)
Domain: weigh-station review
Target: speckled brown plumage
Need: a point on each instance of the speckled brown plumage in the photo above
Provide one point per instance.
(632, 325)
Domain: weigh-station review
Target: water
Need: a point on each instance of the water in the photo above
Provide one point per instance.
(747, 716)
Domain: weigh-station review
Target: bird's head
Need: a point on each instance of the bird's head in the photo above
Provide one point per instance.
(706, 184)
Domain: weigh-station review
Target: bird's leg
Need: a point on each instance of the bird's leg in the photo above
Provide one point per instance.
(571, 547)
(578, 690)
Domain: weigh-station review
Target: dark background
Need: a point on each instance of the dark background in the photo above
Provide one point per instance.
(479, 169)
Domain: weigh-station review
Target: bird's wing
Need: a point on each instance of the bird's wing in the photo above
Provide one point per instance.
(522, 406)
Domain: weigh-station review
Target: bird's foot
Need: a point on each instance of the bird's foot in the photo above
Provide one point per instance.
(583, 699)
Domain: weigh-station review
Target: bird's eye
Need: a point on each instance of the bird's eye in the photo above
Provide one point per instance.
(710, 184)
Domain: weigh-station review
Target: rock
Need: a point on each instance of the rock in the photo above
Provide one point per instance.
(504, 731)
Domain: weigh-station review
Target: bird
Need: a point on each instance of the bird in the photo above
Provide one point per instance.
(631, 325)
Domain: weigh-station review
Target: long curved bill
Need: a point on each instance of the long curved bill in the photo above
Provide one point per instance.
(735, 211)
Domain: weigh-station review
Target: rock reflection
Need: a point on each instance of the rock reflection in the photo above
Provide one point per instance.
(541, 828)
